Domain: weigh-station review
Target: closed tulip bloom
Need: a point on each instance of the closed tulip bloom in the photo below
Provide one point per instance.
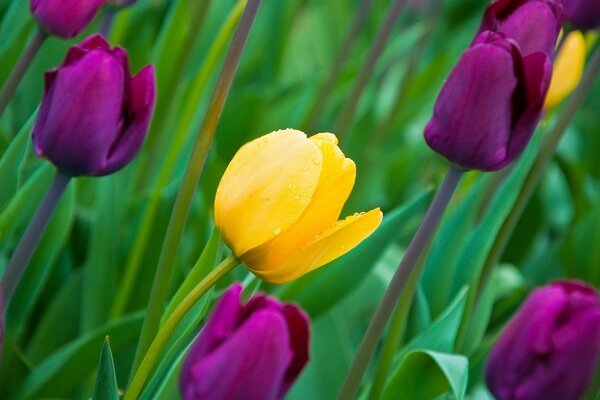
(550, 348)
(533, 24)
(64, 18)
(490, 105)
(582, 14)
(278, 204)
(94, 116)
(253, 351)
(568, 69)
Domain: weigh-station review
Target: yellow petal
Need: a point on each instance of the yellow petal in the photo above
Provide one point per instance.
(568, 68)
(331, 244)
(335, 184)
(266, 188)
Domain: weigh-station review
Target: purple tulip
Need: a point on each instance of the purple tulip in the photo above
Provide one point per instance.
(64, 18)
(533, 24)
(94, 116)
(550, 349)
(252, 351)
(490, 105)
(582, 14)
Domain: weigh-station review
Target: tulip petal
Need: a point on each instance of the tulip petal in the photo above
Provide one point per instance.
(266, 188)
(126, 147)
(568, 68)
(329, 245)
(335, 184)
(299, 329)
(261, 351)
(537, 75)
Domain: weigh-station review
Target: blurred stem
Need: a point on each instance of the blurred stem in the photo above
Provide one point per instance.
(349, 109)
(398, 283)
(181, 209)
(159, 342)
(360, 19)
(537, 170)
(26, 247)
(176, 144)
(15, 77)
(107, 21)
(397, 328)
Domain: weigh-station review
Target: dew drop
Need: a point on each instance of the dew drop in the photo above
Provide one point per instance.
(277, 231)
(316, 161)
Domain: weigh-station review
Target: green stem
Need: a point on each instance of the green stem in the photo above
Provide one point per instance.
(397, 328)
(134, 261)
(183, 202)
(313, 113)
(349, 109)
(15, 77)
(159, 342)
(398, 283)
(537, 170)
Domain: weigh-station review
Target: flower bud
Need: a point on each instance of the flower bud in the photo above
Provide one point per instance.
(533, 24)
(94, 116)
(582, 14)
(251, 351)
(550, 349)
(490, 105)
(278, 204)
(568, 69)
(64, 18)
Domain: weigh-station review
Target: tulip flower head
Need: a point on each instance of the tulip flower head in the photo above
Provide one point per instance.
(568, 69)
(550, 349)
(533, 24)
(490, 105)
(252, 351)
(94, 116)
(582, 14)
(64, 18)
(278, 204)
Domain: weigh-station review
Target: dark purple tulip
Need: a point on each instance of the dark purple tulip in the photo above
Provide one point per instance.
(582, 14)
(64, 18)
(490, 105)
(550, 349)
(253, 351)
(533, 24)
(94, 116)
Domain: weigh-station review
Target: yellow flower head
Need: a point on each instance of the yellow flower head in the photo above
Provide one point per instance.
(278, 204)
(568, 68)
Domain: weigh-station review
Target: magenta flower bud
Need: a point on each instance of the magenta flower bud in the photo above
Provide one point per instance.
(252, 351)
(490, 104)
(582, 14)
(533, 24)
(550, 349)
(64, 18)
(94, 116)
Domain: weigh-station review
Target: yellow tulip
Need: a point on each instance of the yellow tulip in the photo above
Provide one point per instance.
(568, 68)
(278, 203)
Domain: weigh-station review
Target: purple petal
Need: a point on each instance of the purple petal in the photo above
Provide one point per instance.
(65, 18)
(299, 329)
(142, 101)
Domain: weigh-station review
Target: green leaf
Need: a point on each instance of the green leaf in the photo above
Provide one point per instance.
(106, 381)
(336, 280)
(425, 375)
(15, 28)
(59, 374)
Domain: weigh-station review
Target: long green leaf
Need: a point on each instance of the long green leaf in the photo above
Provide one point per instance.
(106, 381)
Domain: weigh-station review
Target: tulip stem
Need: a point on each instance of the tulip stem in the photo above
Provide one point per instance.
(183, 201)
(26, 247)
(399, 280)
(107, 20)
(159, 342)
(537, 170)
(15, 77)
(349, 109)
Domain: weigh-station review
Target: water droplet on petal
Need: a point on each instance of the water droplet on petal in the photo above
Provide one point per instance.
(277, 231)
